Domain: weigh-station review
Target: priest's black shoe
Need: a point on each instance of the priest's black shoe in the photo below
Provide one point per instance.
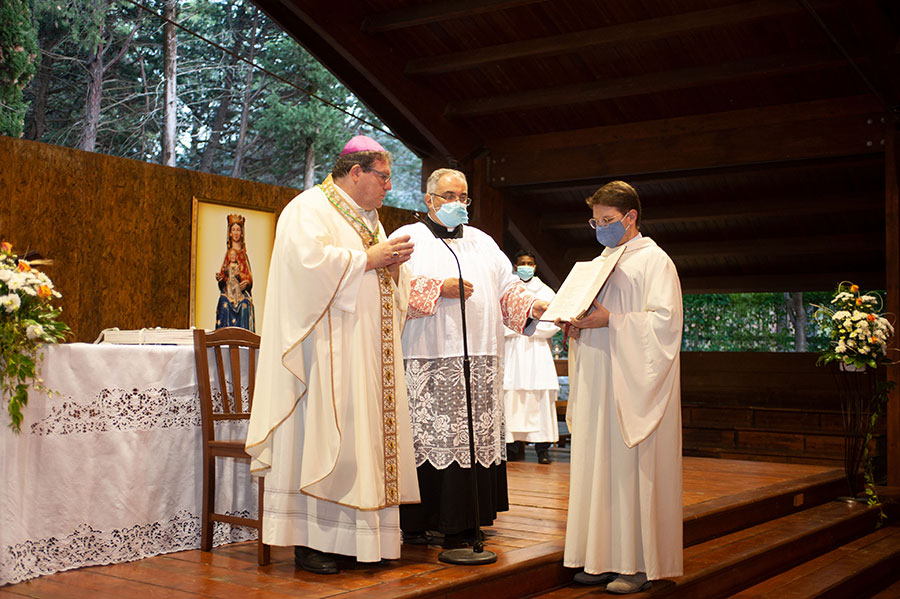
(543, 457)
(314, 561)
(416, 538)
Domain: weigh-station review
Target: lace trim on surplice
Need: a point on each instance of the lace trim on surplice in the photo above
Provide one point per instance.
(423, 297)
(437, 407)
(515, 306)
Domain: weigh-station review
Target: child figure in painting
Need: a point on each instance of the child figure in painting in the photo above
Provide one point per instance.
(235, 306)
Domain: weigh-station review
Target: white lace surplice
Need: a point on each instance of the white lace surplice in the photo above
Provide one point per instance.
(433, 346)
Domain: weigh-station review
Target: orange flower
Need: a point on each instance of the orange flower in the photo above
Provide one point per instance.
(6, 247)
(873, 340)
(854, 288)
(24, 266)
(859, 301)
(44, 291)
(870, 318)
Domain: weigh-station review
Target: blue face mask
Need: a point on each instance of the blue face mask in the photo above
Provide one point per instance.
(525, 272)
(453, 214)
(610, 235)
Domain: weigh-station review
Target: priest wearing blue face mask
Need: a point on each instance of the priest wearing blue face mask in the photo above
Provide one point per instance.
(433, 358)
(624, 410)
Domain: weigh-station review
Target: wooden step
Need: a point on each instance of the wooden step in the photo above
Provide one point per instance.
(725, 565)
(708, 519)
(857, 569)
(891, 592)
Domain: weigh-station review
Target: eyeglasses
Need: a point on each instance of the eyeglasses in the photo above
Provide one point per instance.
(463, 199)
(604, 222)
(385, 177)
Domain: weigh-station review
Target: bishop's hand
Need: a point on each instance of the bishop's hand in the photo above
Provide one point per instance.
(389, 253)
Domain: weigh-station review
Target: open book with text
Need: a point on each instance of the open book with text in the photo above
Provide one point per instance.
(581, 286)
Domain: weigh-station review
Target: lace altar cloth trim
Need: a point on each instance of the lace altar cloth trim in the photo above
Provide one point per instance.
(86, 546)
(125, 410)
(437, 406)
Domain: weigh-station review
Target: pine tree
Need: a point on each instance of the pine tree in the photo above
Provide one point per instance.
(19, 58)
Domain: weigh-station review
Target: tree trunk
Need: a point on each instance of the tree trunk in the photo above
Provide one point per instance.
(209, 153)
(798, 317)
(96, 70)
(92, 101)
(170, 54)
(309, 171)
(39, 113)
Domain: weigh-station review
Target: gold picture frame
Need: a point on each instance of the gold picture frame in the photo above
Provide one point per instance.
(210, 245)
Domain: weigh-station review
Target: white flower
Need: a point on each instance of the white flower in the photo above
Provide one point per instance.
(15, 282)
(11, 302)
(34, 331)
(840, 315)
(840, 347)
(30, 291)
(864, 349)
(857, 315)
(5, 274)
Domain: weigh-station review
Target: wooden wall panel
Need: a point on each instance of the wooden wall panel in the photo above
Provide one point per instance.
(118, 230)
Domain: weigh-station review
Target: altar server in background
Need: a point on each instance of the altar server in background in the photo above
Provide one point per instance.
(530, 383)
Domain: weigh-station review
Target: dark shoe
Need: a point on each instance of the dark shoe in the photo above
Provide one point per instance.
(595, 579)
(543, 457)
(416, 538)
(515, 452)
(314, 561)
(465, 538)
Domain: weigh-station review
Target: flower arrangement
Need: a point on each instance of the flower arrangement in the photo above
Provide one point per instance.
(27, 322)
(859, 333)
(859, 345)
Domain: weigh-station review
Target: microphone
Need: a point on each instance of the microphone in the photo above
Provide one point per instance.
(476, 555)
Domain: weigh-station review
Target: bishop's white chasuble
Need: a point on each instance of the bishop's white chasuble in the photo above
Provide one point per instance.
(329, 427)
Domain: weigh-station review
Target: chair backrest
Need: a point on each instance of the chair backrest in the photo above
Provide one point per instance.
(238, 348)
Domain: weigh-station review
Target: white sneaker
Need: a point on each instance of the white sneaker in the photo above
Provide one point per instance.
(629, 583)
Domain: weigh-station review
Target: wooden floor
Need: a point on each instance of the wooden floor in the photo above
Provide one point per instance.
(528, 540)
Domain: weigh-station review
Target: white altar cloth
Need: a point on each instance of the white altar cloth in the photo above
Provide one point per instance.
(108, 468)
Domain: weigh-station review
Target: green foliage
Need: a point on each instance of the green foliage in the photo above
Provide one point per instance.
(213, 89)
(746, 322)
(19, 58)
(27, 322)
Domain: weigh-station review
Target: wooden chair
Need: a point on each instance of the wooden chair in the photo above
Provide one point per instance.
(231, 344)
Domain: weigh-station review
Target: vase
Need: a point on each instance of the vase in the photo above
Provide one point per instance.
(857, 388)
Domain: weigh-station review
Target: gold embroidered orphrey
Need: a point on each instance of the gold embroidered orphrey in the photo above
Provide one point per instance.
(388, 397)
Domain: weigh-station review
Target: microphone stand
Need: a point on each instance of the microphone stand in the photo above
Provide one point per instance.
(477, 554)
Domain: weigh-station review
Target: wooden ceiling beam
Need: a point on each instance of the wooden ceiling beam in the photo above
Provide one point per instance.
(820, 129)
(638, 31)
(825, 245)
(524, 229)
(768, 282)
(367, 66)
(649, 83)
(769, 207)
(424, 14)
(689, 178)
